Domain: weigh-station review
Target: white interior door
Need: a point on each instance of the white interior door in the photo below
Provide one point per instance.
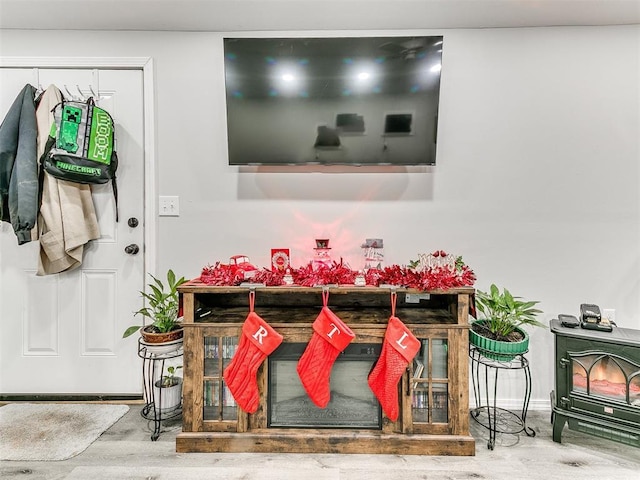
(61, 334)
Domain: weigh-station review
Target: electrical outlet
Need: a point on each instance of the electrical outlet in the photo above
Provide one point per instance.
(609, 314)
(169, 206)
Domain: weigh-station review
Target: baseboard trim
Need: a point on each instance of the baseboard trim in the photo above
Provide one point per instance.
(46, 397)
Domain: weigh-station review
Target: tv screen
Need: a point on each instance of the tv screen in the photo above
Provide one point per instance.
(338, 100)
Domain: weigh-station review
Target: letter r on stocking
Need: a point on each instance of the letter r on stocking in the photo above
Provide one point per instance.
(260, 334)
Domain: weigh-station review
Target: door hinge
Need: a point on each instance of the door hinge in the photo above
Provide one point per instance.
(565, 402)
(564, 362)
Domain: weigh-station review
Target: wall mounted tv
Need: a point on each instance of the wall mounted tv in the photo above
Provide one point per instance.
(335, 100)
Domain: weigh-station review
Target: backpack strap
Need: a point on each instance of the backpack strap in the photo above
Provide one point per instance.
(114, 186)
(114, 160)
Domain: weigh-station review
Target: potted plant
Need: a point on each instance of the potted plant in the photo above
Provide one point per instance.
(162, 307)
(168, 390)
(499, 333)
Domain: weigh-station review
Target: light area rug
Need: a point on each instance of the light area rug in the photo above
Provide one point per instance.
(202, 473)
(43, 432)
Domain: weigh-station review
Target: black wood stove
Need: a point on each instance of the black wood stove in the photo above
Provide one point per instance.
(597, 382)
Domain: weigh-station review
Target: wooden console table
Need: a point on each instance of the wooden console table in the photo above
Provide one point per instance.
(433, 391)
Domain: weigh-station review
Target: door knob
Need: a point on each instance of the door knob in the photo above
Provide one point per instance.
(132, 249)
(133, 222)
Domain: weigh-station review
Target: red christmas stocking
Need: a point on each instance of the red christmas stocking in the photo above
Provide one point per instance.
(330, 337)
(398, 349)
(257, 342)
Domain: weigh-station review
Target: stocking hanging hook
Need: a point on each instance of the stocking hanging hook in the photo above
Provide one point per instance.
(325, 295)
(252, 298)
(394, 299)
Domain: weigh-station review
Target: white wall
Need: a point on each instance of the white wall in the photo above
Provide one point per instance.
(536, 183)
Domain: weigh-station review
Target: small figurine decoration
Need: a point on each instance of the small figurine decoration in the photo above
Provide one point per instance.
(280, 259)
(437, 259)
(373, 253)
(241, 267)
(288, 278)
(322, 255)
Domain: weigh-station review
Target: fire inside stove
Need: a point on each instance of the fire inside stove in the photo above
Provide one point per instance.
(607, 376)
(352, 404)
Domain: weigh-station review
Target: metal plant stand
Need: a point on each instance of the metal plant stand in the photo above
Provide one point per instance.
(153, 369)
(486, 413)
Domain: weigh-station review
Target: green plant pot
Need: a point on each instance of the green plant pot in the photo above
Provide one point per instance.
(496, 349)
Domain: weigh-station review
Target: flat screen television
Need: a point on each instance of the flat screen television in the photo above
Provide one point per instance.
(332, 101)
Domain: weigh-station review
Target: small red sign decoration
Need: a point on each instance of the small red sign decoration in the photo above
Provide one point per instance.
(280, 259)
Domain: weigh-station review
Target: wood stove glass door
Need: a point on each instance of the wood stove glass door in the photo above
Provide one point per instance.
(606, 375)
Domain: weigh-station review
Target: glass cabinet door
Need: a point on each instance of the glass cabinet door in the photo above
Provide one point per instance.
(430, 382)
(218, 403)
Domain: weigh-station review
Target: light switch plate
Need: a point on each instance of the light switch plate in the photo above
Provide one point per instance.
(169, 206)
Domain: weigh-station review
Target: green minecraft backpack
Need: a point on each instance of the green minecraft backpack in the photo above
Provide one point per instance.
(81, 145)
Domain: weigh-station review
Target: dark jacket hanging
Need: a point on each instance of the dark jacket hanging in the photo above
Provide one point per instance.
(19, 165)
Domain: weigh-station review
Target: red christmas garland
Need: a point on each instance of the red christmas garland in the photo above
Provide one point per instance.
(334, 274)
(338, 273)
(219, 275)
(270, 278)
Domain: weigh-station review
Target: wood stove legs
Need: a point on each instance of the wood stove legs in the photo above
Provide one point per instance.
(557, 419)
(487, 413)
(558, 422)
